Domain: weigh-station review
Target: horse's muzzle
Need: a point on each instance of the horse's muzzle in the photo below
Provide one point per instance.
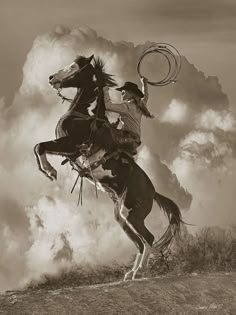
(55, 84)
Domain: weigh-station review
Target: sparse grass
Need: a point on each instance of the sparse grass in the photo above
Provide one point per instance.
(80, 276)
(212, 249)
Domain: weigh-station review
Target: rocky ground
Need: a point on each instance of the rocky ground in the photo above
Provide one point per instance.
(184, 294)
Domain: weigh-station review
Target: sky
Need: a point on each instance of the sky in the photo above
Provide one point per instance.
(202, 30)
(188, 149)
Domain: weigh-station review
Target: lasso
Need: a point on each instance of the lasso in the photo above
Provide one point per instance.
(173, 59)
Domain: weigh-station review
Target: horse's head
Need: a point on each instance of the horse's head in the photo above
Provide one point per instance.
(77, 74)
(82, 73)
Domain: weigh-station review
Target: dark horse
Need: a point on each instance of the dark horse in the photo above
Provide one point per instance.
(127, 184)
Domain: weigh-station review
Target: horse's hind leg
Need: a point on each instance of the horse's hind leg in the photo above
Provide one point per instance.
(143, 261)
(61, 146)
(133, 236)
(136, 228)
(130, 274)
(136, 221)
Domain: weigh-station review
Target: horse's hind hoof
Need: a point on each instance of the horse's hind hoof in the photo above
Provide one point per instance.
(128, 275)
(138, 274)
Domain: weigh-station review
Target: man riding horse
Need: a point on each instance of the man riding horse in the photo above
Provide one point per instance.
(131, 110)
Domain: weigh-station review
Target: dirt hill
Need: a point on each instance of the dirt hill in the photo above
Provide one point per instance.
(190, 294)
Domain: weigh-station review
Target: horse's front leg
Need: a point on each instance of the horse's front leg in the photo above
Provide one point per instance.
(61, 146)
(43, 164)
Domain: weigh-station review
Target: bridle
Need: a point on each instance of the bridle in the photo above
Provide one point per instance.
(63, 97)
(70, 76)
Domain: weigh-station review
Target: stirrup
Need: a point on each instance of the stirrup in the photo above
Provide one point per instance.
(84, 171)
(96, 164)
(83, 149)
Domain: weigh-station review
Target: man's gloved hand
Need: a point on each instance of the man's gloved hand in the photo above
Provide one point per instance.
(144, 79)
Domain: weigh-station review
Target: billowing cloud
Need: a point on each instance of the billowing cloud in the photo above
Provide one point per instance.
(205, 146)
(175, 113)
(199, 91)
(212, 120)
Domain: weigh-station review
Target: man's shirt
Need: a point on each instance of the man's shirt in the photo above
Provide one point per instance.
(130, 113)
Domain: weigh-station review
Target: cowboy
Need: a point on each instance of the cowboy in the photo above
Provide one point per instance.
(131, 110)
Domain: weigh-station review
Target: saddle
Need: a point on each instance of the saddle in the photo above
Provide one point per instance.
(88, 151)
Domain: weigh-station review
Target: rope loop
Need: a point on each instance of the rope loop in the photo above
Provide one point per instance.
(173, 58)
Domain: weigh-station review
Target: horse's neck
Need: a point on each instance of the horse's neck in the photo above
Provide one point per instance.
(100, 109)
(82, 100)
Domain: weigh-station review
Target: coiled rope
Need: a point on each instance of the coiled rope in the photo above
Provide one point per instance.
(173, 58)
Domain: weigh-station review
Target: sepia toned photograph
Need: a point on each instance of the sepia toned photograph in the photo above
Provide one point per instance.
(117, 157)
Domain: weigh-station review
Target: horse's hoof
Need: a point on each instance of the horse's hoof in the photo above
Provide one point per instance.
(138, 273)
(52, 174)
(128, 275)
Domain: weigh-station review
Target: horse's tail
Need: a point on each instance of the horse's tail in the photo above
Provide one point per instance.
(175, 220)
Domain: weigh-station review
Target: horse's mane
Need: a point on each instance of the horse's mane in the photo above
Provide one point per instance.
(102, 77)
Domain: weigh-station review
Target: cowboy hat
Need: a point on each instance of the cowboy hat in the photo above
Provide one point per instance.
(130, 86)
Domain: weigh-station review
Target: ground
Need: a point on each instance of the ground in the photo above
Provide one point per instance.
(184, 294)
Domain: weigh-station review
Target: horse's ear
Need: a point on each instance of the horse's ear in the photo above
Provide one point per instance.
(90, 58)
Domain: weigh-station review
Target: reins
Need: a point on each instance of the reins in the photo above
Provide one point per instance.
(63, 97)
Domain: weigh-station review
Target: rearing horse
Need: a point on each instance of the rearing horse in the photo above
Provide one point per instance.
(127, 184)
(73, 129)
